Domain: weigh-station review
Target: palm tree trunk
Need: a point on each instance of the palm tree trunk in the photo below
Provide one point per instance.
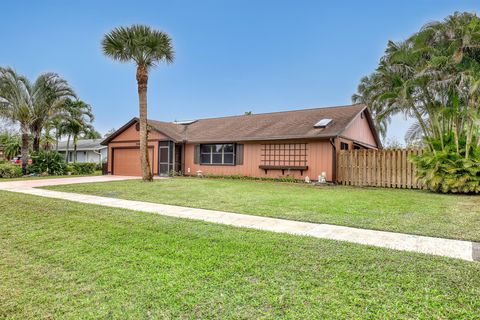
(75, 141)
(25, 146)
(469, 128)
(455, 136)
(142, 81)
(66, 151)
(57, 137)
(423, 126)
(36, 141)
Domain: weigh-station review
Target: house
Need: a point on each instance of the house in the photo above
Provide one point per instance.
(88, 150)
(296, 143)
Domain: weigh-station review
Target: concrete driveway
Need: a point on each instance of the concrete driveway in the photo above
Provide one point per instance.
(35, 183)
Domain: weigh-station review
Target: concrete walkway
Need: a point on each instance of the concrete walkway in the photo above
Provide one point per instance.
(465, 250)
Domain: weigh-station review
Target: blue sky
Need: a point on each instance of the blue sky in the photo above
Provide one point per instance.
(231, 56)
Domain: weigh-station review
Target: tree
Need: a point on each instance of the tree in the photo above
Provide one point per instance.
(434, 77)
(11, 144)
(77, 120)
(53, 90)
(92, 134)
(146, 47)
(47, 140)
(392, 143)
(17, 96)
(109, 133)
(30, 104)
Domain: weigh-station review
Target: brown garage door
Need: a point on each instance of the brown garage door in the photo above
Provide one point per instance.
(126, 162)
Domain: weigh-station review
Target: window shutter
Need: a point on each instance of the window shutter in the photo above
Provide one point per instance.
(196, 157)
(239, 154)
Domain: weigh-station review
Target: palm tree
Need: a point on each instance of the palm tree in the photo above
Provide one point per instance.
(77, 120)
(17, 97)
(146, 47)
(92, 134)
(30, 104)
(432, 77)
(47, 140)
(53, 91)
(11, 144)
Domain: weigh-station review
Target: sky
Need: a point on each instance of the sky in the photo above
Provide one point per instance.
(230, 56)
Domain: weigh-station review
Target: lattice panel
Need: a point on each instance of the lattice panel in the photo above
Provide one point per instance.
(284, 154)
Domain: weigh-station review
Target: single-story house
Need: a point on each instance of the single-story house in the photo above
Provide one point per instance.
(88, 150)
(296, 143)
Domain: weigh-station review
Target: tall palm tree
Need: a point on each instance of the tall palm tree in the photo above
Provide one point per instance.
(146, 47)
(432, 76)
(53, 91)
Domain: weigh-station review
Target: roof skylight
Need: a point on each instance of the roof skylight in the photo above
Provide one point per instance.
(323, 123)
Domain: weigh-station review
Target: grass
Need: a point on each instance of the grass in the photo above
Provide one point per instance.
(64, 260)
(96, 173)
(408, 211)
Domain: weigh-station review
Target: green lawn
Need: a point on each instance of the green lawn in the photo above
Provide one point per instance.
(96, 173)
(409, 211)
(65, 260)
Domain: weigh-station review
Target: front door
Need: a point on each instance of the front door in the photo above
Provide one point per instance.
(169, 158)
(164, 156)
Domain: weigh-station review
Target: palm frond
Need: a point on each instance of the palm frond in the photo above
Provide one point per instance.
(139, 43)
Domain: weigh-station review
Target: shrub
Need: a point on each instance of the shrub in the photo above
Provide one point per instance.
(99, 166)
(82, 168)
(8, 170)
(47, 162)
(445, 170)
(289, 179)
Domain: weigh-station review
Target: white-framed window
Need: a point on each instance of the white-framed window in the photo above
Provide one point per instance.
(222, 154)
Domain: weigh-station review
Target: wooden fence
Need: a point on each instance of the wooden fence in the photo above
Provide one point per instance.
(378, 168)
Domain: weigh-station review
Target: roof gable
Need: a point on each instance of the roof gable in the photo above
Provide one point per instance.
(362, 129)
(164, 129)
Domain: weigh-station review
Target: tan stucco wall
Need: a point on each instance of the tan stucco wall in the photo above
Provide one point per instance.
(319, 159)
(130, 138)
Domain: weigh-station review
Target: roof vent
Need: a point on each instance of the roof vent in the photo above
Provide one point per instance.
(322, 123)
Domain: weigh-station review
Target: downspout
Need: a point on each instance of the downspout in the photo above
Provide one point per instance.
(99, 154)
(182, 156)
(334, 160)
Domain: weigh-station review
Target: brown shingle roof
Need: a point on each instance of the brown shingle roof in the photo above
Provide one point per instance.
(275, 125)
(170, 129)
(296, 124)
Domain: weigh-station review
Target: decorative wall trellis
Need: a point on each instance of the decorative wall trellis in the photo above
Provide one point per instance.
(284, 155)
(378, 168)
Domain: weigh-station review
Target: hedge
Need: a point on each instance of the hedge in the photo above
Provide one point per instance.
(82, 168)
(8, 170)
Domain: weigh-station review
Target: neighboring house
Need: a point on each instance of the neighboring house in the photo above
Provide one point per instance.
(88, 150)
(297, 143)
